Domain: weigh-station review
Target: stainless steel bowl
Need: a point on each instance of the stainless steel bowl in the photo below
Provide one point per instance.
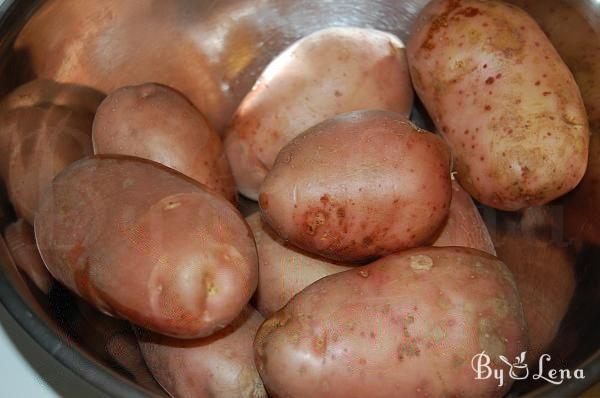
(235, 40)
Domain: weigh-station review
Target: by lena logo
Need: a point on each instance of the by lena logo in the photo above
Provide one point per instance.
(518, 370)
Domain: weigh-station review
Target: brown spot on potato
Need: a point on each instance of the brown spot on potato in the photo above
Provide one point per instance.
(489, 80)
(263, 200)
(325, 199)
(314, 220)
(488, 108)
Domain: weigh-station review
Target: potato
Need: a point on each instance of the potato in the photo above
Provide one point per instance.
(329, 72)
(155, 122)
(572, 30)
(44, 91)
(218, 366)
(21, 244)
(530, 245)
(284, 270)
(407, 325)
(503, 99)
(113, 43)
(464, 226)
(357, 186)
(43, 140)
(140, 241)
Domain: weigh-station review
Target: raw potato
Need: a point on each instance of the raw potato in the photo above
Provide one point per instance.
(329, 72)
(155, 122)
(542, 264)
(43, 91)
(572, 30)
(504, 100)
(283, 269)
(20, 241)
(44, 140)
(358, 186)
(464, 226)
(114, 43)
(407, 325)
(218, 366)
(143, 242)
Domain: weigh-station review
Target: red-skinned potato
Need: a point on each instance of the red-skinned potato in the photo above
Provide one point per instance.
(407, 325)
(155, 122)
(20, 241)
(42, 123)
(284, 270)
(44, 139)
(217, 366)
(503, 99)
(464, 226)
(531, 246)
(358, 186)
(145, 243)
(571, 29)
(114, 43)
(332, 71)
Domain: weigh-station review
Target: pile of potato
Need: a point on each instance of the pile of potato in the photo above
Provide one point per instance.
(368, 270)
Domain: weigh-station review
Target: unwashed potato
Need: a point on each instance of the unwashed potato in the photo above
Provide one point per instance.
(20, 241)
(155, 122)
(283, 269)
(357, 186)
(504, 100)
(143, 242)
(464, 226)
(329, 72)
(407, 325)
(217, 366)
(532, 247)
(571, 29)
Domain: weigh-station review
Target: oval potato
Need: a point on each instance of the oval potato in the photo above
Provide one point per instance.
(358, 186)
(284, 270)
(503, 99)
(407, 325)
(44, 139)
(143, 242)
(329, 72)
(155, 122)
(217, 366)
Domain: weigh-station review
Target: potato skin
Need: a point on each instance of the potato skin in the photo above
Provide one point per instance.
(406, 325)
(155, 122)
(543, 267)
(41, 141)
(217, 366)
(358, 186)
(464, 226)
(284, 270)
(504, 100)
(327, 73)
(115, 43)
(44, 123)
(20, 241)
(143, 242)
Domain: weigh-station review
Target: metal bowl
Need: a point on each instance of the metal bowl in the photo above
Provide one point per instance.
(235, 40)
